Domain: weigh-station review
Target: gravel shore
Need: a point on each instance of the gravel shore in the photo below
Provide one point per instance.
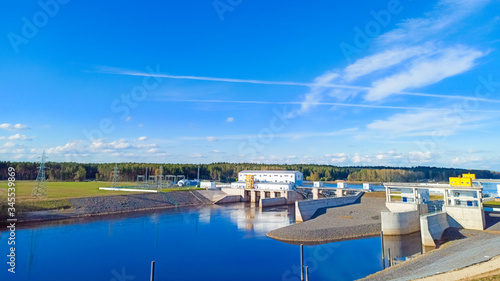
(361, 219)
(104, 205)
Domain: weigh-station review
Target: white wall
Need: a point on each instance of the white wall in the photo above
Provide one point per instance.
(273, 176)
(207, 184)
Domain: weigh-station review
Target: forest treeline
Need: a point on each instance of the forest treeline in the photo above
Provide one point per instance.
(227, 172)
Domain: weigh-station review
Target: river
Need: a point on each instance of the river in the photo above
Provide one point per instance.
(212, 242)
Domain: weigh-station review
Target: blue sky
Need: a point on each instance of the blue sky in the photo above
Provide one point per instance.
(400, 83)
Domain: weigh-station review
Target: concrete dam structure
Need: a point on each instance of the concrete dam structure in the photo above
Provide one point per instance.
(408, 206)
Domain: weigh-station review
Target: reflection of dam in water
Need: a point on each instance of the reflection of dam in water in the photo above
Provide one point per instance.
(262, 221)
(402, 247)
(252, 218)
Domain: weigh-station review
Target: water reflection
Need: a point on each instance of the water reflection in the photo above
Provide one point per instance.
(402, 247)
(259, 222)
(221, 242)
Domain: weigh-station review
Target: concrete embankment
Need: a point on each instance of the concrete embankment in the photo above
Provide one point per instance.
(464, 248)
(357, 220)
(305, 210)
(103, 205)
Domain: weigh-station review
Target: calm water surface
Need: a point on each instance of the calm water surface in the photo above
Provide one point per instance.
(206, 243)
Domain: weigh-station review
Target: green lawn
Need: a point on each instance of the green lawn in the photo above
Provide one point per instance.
(58, 194)
(491, 204)
(61, 190)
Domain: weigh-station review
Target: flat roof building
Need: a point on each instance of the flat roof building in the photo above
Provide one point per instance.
(268, 179)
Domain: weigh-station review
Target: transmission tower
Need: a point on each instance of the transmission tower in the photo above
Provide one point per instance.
(115, 175)
(159, 181)
(40, 188)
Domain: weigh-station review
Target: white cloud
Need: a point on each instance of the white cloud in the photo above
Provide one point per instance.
(411, 56)
(75, 147)
(143, 138)
(9, 144)
(100, 144)
(12, 127)
(426, 71)
(120, 144)
(149, 145)
(425, 123)
(296, 135)
(316, 93)
(436, 23)
(153, 150)
(229, 119)
(128, 118)
(196, 155)
(17, 137)
(337, 158)
(383, 60)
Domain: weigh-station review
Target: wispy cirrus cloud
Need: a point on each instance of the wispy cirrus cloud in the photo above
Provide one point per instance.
(383, 60)
(435, 25)
(413, 55)
(425, 123)
(426, 71)
(296, 135)
(360, 105)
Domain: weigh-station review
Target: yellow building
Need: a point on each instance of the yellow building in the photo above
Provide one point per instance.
(249, 180)
(465, 180)
(469, 175)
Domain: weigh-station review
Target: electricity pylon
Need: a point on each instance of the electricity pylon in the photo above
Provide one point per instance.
(40, 188)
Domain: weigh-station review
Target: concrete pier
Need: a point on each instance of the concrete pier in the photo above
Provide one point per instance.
(256, 195)
(400, 223)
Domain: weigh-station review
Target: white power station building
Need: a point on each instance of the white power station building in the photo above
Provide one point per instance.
(271, 180)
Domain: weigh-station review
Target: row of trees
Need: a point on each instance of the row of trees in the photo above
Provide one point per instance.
(227, 172)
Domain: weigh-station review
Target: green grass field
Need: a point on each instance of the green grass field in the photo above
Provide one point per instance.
(493, 204)
(61, 190)
(58, 194)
